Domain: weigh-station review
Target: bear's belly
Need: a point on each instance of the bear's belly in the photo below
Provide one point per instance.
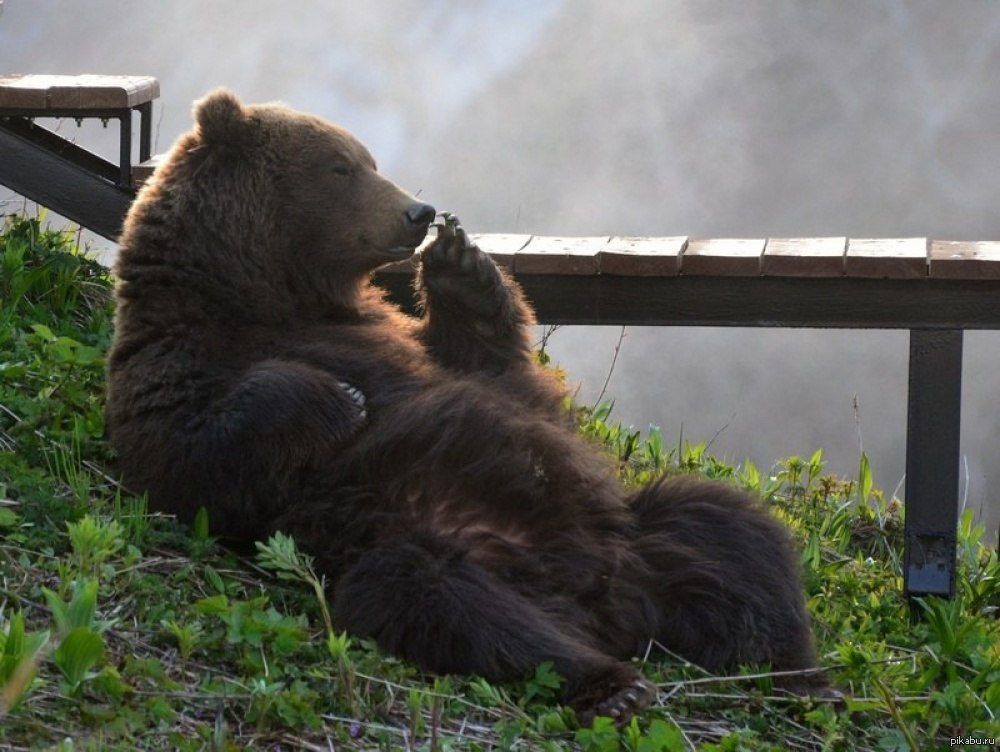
(464, 461)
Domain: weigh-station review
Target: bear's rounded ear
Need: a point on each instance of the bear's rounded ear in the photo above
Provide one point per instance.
(220, 118)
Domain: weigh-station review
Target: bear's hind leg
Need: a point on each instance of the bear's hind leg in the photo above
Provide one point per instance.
(424, 602)
(725, 579)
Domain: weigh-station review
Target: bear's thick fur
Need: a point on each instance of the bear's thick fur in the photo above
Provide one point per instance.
(427, 464)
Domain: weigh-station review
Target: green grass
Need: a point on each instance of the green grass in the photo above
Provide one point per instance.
(120, 630)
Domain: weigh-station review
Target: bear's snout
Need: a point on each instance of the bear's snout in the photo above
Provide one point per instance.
(419, 216)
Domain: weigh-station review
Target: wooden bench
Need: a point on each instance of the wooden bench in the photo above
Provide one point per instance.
(935, 289)
(56, 172)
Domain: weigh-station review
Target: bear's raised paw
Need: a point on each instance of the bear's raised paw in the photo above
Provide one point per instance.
(456, 273)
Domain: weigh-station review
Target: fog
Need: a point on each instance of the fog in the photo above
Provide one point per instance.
(635, 117)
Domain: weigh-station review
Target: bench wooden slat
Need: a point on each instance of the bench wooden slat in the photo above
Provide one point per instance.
(894, 258)
(15, 93)
(555, 255)
(642, 257)
(723, 257)
(890, 258)
(804, 257)
(502, 247)
(85, 92)
(952, 259)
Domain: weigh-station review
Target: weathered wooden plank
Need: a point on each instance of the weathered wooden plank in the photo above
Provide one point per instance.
(642, 257)
(804, 257)
(555, 255)
(18, 93)
(891, 258)
(724, 257)
(965, 259)
(102, 92)
(84, 92)
(501, 247)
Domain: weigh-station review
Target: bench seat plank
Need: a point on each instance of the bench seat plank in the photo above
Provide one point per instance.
(652, 257)
(41, 93)
(886, 258)
(804, 257)
(502, 247)
(965, 259)
(643, 257)
(556, 255)
(723, 257)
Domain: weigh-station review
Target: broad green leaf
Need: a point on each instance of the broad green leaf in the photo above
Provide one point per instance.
(79, 651)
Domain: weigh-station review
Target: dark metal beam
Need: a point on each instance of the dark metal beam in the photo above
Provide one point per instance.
(932, 462)
(844, 302)
(30, 131)
(62, 176)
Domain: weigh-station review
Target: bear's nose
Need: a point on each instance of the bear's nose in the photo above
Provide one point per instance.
(420, 215)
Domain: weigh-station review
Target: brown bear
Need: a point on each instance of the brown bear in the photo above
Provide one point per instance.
(428, 464)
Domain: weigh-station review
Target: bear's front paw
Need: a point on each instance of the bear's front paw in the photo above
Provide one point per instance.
(456, 272)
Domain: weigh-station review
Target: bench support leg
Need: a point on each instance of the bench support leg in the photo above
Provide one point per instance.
(125, 149)
(145, 130)
(932, 461)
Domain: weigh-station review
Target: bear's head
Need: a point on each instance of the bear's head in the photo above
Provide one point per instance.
(264, 194)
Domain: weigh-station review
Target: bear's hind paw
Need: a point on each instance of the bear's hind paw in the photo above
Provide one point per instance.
(622, 704)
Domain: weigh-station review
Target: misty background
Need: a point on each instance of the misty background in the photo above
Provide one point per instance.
(707, 118)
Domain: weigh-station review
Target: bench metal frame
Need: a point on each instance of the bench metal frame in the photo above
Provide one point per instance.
(54, 171)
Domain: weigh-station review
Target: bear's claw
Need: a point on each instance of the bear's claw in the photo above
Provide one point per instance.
(621, 705)
(357, 396)
(450, 219)
(626, 703)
